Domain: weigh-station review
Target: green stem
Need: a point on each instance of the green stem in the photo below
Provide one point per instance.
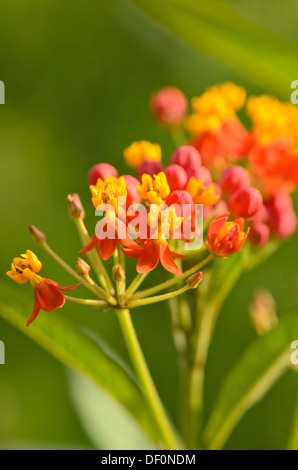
(197, 373)
(167, 433)
(174, 280)
(89, 302)
(70, 270)
(135, 284)
(157, 298)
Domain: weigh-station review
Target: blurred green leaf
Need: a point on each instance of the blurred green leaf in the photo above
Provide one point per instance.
(221, 31)
(85, 355)
(106, 422)
(260, 367)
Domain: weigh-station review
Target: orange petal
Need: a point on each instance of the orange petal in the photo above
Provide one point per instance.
(167, 260)
(36, 310)
(149, 258)
(90, 246)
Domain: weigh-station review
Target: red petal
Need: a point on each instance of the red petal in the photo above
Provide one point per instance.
(94, 241)
(167, 260)
(133, 252)
(55, 284)
(177, 255)
(107, 247)
(149, 258)
(36, 310)
(214, 228)
(49, 296)
(230, 243)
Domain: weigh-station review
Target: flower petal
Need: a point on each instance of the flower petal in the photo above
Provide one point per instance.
(149, 258)
(90, 246)
(167, 260)
(36, 310)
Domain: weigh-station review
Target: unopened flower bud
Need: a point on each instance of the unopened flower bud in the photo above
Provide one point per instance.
(132, 195)
(75, 206)
(100, 171)
(118, 273)
(186, 156)
(194, 280)
(262, 312)
(150, 167)
(176, 177)
(38, 236)
(169, 106)
(245, 202)
(82, 267)
(234, 178)
(200, 173)
(259, 234)
(283, 223)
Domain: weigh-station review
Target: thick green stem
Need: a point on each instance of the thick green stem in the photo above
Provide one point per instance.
(197, 373)
(167, 433)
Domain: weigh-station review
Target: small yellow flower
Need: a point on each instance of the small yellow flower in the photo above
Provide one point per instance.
(154, 188)
(200, 193)
(24, 268)
(163, 222)
(214, 106)
(137, 152)
(272, 118)
(108, 191)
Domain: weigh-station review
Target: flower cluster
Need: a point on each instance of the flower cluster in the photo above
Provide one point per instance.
(222, 184)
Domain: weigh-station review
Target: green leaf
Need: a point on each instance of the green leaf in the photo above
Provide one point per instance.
(221, 31)
(106, 422)
(84, 355)
(260, 367)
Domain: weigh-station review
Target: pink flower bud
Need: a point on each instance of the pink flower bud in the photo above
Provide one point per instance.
(279, 201)
(200, 173)
(180, 198)
(176, 177)
(245, 202)
(150, 167)
(100, 171)
(283, 223)
(132, 193)
(169, 106)
(186, 156)
(259, 234)
(261, 216)
(234, 178)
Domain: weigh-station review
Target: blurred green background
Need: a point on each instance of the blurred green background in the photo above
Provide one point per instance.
(78, 78)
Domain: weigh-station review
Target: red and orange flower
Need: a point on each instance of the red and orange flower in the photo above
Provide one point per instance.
(47, 293)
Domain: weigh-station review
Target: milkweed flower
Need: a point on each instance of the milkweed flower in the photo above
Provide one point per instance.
(109, 195)
(163, 222)
(201, 193)
(142, 150)
(169, 106)
(199, 173)
(47, 293)
(225, 238)
(154, 189)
